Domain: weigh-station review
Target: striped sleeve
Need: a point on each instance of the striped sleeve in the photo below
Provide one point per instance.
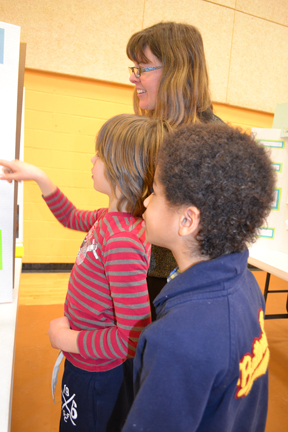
(67, 214)
(126, 265)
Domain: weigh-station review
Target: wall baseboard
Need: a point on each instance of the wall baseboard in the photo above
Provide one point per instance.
(47, 267)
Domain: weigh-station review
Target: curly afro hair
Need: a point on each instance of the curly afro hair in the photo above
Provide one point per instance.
(226, 175)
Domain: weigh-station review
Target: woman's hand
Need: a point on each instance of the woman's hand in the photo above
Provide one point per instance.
(18, 171)
(62, 337)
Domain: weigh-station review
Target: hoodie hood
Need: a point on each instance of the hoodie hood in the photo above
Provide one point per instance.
(221, 274)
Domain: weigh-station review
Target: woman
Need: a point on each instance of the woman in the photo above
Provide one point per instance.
(171, 82)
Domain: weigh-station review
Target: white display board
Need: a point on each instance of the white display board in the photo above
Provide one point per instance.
(274, 235)
(20, 195)
(9, 63)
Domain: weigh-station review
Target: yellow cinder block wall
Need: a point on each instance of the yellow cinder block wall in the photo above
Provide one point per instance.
(62, 117)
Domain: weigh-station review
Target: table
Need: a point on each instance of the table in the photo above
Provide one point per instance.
(8, 319)
(273, 262)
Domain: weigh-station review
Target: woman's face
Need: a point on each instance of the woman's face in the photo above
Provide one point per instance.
(147, 84)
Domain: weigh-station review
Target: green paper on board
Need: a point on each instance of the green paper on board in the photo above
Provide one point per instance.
(0, 250)
(281, 119)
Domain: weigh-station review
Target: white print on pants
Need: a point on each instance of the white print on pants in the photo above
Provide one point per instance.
(69, 406)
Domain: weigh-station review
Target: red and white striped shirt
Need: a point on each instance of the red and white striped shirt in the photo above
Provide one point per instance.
(107, 298)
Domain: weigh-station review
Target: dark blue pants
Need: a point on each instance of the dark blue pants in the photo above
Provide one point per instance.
(96, 401)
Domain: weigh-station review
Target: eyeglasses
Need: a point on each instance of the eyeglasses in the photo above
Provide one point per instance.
(138, 71)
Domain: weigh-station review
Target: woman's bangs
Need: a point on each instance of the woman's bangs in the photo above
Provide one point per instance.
(135, 51)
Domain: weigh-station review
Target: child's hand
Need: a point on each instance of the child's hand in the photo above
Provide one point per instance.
(61, 336)
(18, 170)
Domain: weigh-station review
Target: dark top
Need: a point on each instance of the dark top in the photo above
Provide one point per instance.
(202, 365)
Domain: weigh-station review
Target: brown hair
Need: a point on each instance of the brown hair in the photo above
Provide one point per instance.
(128, 146)
(183, 92)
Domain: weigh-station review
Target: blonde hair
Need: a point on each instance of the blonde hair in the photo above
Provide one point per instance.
(183, 92)
(128, 145)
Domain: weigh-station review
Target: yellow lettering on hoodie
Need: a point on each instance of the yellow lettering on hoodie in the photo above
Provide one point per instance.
(253, 365)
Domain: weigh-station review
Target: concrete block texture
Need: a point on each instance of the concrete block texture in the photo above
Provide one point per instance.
(245, 41)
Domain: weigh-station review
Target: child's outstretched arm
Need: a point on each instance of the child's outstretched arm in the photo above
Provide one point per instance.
(18, 171)
(64, 211)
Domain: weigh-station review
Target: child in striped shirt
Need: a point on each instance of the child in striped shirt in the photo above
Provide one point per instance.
(107, 304)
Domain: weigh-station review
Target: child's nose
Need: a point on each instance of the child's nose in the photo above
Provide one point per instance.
(146, 201)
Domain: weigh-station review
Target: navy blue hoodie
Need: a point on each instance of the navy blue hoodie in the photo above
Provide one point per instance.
(202, 365)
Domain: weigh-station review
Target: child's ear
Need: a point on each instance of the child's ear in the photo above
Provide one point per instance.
(189, 221)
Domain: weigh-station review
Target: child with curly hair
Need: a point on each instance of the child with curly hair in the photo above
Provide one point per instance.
(202, 365)
(107, 304)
